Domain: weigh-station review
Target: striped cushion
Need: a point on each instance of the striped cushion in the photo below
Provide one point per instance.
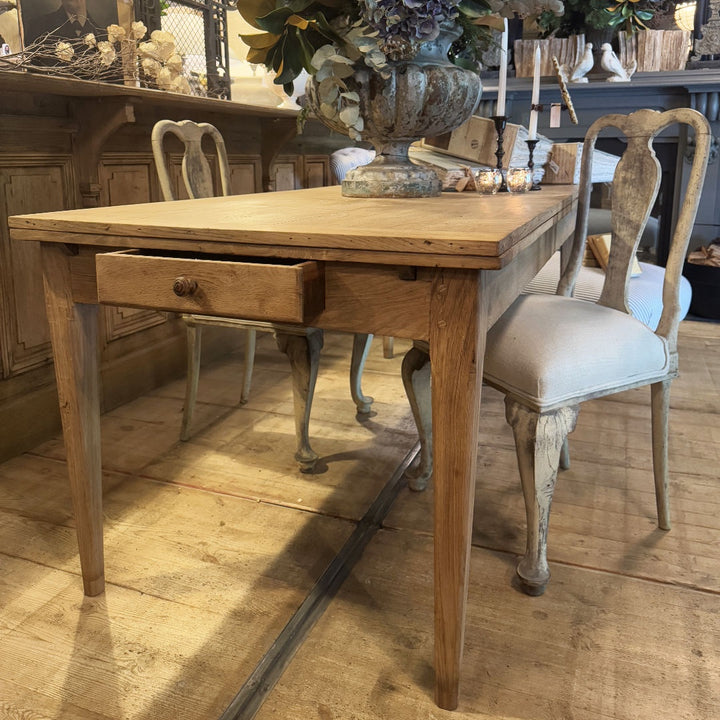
(644, 293)
(346, 159)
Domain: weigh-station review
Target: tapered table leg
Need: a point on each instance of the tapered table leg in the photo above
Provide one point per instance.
(458, 323)
(73, 331)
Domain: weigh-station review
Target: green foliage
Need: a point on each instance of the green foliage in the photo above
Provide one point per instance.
(581, 16)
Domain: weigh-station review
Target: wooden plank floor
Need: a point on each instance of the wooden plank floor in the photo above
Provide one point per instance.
(212, 545)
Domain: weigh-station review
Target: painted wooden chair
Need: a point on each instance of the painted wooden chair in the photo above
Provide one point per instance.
(301, 345)
(549, 353)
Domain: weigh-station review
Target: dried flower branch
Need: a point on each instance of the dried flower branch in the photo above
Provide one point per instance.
(154, 63)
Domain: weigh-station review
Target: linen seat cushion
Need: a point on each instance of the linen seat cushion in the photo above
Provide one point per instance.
(644, 291)
(548, 350)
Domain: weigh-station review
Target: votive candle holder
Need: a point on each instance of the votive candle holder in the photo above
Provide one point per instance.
(488, 180)
(519, 179)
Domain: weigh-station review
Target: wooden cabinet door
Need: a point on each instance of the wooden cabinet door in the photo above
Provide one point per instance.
(28, 184)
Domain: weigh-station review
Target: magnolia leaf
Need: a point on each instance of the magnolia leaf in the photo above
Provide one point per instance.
(260, 40)
(299, 22)
(306, 50)
(251, 10)
(474, 9)
(275, 21)
(299, 5)
(257, 56)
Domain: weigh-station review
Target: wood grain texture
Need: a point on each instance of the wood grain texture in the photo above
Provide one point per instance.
(629, 632)
(458, 322)
(74, 328)
(463, 229)
(262, 291)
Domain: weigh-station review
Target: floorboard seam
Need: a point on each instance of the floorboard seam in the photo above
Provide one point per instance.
(271, 666)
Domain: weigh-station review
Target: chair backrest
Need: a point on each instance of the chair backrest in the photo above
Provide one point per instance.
(196, 170)
(635, 188)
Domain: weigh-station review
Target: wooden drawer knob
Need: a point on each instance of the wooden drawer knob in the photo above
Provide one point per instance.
(184, 286)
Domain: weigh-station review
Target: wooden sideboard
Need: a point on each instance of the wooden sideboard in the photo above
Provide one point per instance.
(68, 144)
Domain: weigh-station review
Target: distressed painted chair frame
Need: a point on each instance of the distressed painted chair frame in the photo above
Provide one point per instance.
(541, 431)
(301, 345)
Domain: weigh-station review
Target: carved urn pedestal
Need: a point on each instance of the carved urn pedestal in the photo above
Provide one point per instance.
(424, 96)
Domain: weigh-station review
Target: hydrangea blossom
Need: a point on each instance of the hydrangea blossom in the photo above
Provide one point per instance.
(409, 20)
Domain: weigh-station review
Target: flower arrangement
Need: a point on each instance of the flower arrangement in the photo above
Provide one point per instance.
(581, 16)
(331, 39)
(124, 55)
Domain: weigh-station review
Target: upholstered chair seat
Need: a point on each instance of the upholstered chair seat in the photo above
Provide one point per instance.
(547, 351)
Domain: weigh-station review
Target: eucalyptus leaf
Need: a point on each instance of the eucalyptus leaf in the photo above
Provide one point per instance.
(322, 55)
(351, 96)
(328, 91)
(350, 114)
(343, 71)
(329, 111)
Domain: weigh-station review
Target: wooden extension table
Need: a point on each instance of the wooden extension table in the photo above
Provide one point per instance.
(438, 269)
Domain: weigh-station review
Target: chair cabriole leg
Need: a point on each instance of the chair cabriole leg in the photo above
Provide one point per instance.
(303, 352)
(416, 379)
(361, 347)
(538, 441)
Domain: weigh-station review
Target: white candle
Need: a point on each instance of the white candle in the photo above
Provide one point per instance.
(535, 100)
(502, 78)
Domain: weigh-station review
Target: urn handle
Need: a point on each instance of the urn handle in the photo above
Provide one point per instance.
(184, 286)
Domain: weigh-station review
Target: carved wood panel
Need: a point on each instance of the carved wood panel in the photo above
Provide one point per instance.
(28, 184)
(245, 175)
(286, 173)
(317, 171)
(124, 180)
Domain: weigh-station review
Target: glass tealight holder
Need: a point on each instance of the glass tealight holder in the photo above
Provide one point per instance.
(488, 180)
(519, 179)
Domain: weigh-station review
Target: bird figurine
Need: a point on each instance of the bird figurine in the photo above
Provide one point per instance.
(610, 62)
(576, 73)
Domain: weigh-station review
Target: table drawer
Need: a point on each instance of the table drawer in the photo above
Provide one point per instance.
(248, 288)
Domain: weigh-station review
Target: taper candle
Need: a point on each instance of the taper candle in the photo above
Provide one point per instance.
(535, 100)
(502, 77)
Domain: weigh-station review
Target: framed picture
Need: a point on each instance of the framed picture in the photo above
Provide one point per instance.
(66, 19)
(10, 41)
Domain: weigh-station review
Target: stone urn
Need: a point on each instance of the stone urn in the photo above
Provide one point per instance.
(422, 97)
